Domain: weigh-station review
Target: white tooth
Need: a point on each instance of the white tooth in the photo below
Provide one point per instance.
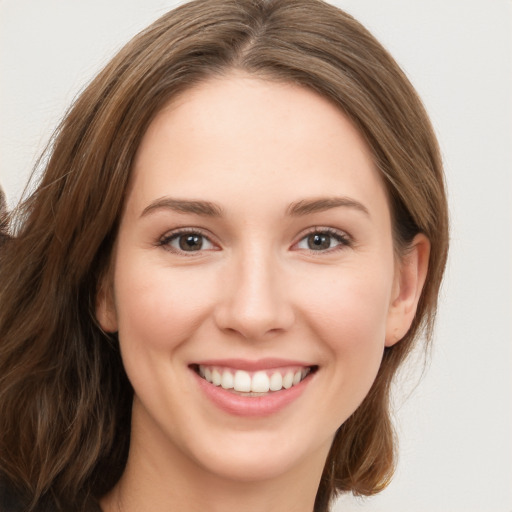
(297, 377)
(216, 377)
(227, 380)
(260, 382)
(201, 371)
(242, 381)
(276, 382)
(208, 374)
(288, 380)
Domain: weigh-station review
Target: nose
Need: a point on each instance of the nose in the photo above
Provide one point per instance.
(254, 298)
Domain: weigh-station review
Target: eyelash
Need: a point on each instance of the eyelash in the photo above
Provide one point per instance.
(166, 240)
(342, 238)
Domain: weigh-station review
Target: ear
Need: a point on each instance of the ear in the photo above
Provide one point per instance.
(105, 306)
(410, 276)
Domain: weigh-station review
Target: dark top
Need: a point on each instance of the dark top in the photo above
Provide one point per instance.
(11, 501)
(8, 500)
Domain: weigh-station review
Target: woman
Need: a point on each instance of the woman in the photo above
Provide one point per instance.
(240, 232)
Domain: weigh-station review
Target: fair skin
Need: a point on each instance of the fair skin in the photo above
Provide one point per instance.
(256, 237)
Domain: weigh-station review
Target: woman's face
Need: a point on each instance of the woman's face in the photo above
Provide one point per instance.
(255, 251)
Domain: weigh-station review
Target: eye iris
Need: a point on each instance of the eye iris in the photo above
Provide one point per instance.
(319, 241)
(191, 242)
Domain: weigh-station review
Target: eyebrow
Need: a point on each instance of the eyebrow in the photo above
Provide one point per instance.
(209, 209)
(307, 206)
(205, 208)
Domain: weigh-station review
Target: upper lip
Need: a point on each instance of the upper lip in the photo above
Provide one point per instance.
(252, 365)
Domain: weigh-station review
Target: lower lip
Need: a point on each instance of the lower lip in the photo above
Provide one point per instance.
(254, 406)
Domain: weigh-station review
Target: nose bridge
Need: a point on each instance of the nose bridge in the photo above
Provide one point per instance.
(256, 301)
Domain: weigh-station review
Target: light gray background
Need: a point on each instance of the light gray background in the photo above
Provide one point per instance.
(455, 428)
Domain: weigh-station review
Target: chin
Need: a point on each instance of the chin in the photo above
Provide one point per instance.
(258, 457)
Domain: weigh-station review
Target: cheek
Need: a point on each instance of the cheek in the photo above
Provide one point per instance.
(351, 302)
(349, 315)
(157, 309)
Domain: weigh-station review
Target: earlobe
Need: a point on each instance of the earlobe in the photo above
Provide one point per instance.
(105, 309)
(411, 274)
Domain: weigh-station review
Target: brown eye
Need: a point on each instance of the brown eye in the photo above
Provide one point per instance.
(323, 241)
(190, 242)
(319, 241)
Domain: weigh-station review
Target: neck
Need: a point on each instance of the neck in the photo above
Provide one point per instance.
(139, 491)
(164, 480)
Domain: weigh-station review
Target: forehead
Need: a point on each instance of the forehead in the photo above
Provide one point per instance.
(240, 134)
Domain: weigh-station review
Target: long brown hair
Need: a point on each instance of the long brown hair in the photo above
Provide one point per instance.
(3, 217)
(64, 397)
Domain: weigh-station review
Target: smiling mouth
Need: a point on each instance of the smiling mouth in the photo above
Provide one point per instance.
(257, 383)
